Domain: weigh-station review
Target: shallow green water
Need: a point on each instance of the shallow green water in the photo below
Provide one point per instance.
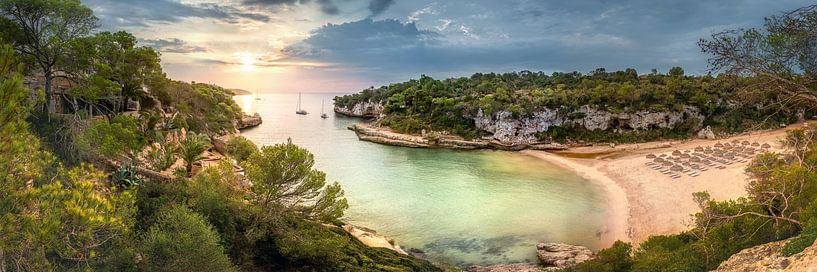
(463, 207)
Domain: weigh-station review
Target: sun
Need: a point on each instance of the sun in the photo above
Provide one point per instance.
(247, 61)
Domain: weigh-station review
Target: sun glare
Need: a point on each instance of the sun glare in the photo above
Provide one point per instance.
(247, 62)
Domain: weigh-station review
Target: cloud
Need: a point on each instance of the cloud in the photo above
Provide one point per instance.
(325, 6)
(379, 6)
(141, 13)
(173, 46)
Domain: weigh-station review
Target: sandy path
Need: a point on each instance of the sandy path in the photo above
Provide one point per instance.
(643, 202)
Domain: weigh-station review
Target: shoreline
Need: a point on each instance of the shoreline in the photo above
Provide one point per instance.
(616, 198)
(384, 135)
(643, 202)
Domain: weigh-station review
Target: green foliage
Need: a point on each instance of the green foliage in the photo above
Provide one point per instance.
(612, 259)
(328, 249)
(201, 107)
(240, 148)
(802, 241)
(191, 149)
(284, 181)
(111, 138)
(126, 176)
(450, 104)
(161, 154)
(182, 240)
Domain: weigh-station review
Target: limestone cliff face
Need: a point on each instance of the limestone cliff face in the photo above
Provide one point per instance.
(512, 130)
(767, 257)
(362, 109)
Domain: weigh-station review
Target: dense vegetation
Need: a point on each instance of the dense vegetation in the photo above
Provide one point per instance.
(73, 193)
(451, 104)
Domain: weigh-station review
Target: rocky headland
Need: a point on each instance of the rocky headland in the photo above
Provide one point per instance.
(384, 135)
(506, 131)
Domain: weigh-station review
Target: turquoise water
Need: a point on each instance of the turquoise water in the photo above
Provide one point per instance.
(462, 207)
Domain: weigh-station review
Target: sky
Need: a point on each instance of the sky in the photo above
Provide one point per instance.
(348, 45)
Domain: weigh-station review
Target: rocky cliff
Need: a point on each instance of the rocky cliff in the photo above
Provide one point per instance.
(362, 109)
(510, 130)
(767, 257)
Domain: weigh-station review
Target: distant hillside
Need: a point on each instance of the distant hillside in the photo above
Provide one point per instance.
(239, 92)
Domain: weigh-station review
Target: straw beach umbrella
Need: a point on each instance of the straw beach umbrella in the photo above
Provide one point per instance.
(650, 156)
(676, 168)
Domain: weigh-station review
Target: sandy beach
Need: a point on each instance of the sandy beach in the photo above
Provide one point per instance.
(644, 202)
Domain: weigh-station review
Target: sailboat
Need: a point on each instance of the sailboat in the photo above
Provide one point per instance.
(323, 115)
(299, 110)
(256, 96)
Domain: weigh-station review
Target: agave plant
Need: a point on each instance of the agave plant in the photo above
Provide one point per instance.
(191, 148)
(126, 176)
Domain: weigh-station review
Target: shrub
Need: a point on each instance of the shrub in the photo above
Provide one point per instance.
(161, 155)
(182, 240)
(125, 176)
(240, 148)
(802, 241)
(613, 259)
(119, 136)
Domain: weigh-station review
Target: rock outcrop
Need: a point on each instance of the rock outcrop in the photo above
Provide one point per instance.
(384, 135)
(767, 257)
(706, 133)
(510, 130)
(363, 109)
(248, 121)
(516, 267)
(562, 255)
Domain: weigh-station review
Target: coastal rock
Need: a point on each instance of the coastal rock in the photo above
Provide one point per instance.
(767, 257)
(507, 129)
(706, 133)
(517, 267)
(362, 109)
(562, 255)
(248, 121)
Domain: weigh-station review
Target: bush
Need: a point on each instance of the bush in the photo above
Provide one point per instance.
(162, 154)
(119, 136)
(327, 249)
(182, 240)
(802, 241)
(125, 176)
(612, 259)
(240, 148)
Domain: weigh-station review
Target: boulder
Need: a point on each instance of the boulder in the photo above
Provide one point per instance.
(706, 133)
(248, 121)
(562, 255)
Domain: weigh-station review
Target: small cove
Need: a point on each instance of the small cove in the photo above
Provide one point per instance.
(462, 207)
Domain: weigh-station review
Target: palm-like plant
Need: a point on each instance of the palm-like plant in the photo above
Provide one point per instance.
(191, 147)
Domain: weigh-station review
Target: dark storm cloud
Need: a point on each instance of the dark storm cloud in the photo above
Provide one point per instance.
(172, 46)
(378, 6)
(136, 13)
